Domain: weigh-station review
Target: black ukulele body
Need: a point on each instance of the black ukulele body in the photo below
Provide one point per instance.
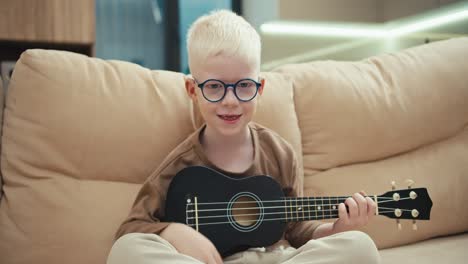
(214, 199)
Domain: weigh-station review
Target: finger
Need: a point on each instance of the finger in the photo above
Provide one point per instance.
(352, 207)
(371, 206)
(362, 204)
(342, 214)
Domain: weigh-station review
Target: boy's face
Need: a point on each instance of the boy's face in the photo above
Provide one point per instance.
(228, 116)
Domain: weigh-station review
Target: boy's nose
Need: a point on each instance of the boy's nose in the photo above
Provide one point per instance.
(230, 98)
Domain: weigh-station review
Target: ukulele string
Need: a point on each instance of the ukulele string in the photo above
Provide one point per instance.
(292, 213)
(279, 212)
(301, 199)
(274, 219)
(282, 206)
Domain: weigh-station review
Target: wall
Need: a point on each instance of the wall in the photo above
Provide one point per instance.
(329, 10)
(395, 9)
(287, 48)
(189, 11)
(368, 11)
(127, 30)
(260, 11)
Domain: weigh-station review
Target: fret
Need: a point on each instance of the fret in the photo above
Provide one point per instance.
(308, 203)
(302, 208)
(290, 207)
(315, 208)
(321, 208)
(338, 201)
(326, 207)
(335, 206)
(297, 213)
(285, 210)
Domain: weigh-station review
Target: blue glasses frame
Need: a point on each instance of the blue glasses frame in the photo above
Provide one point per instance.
(226, 86)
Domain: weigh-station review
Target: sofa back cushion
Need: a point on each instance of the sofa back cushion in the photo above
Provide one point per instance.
(389, 118)
(80, 136)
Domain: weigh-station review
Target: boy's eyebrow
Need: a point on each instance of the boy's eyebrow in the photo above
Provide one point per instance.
(228, 82)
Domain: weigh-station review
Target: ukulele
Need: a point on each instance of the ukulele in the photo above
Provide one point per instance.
(239, 213)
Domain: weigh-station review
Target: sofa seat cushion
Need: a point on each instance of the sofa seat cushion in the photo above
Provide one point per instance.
(450, 249)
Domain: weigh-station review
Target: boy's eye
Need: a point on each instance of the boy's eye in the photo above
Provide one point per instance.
(245, 84)
(213, 85)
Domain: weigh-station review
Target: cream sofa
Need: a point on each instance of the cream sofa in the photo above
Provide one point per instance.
(81, 134)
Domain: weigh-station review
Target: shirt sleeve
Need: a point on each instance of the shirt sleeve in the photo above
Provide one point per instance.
(298, 233)
(148, 209)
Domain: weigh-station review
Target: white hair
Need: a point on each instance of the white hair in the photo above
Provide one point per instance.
(223, 33)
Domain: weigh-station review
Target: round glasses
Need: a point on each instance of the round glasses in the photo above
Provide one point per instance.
(215, 90)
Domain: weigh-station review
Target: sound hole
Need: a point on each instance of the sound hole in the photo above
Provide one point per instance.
(245, 211)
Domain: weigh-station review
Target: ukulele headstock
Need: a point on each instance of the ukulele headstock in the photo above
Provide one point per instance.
(411, 203)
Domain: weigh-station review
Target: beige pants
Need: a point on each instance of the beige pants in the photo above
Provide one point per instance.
(347, 247)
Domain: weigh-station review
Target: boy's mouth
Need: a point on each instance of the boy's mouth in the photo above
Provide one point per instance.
(229, 117)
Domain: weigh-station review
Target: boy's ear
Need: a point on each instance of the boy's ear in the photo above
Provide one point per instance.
(190, 87)
(260, 90)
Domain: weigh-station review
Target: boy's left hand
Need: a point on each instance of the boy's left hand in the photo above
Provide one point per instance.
(361, 210)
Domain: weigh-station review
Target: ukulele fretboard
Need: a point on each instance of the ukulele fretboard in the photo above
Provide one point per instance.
(311, 208)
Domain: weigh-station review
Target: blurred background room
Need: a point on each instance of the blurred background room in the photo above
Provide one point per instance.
(152, 32)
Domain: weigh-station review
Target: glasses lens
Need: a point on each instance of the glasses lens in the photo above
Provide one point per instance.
(213, 90)
(246, 90)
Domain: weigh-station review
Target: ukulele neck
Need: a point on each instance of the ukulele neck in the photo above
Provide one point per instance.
(312, 208)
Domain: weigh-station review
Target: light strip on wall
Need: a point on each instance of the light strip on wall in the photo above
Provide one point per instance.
(384, 30)
(312, 29)
(429, 23)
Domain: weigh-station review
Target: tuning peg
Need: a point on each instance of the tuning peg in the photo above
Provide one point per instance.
(393, 185)
(409, 183)
(398, 224)
(415, 227)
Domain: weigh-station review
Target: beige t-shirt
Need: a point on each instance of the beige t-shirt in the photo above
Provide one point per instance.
(273, 156)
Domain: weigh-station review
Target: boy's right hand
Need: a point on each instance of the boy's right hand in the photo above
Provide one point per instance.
(189, 242)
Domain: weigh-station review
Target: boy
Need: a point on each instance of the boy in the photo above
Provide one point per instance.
(224, 60)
